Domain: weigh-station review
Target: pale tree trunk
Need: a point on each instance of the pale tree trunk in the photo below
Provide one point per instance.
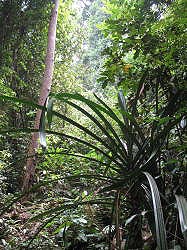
(44, 92)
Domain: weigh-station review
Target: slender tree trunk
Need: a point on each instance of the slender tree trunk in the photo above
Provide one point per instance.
(28, 177)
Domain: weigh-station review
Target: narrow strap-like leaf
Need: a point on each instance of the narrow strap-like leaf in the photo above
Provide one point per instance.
(123, 106)
(182, 208)
(42, 134)
(49, 111)
(97, 109)
(63, 135)
(125, 130)
(76, 155)
(90, 145)
(114, 145)
(159, 218)
(69, 205)
(109, 111)
(128, 117)
(21, 101)
(90, 133)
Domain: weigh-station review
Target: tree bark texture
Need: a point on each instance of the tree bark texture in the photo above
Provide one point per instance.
(28, 177)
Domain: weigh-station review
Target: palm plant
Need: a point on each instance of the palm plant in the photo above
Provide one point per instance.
(127, 154)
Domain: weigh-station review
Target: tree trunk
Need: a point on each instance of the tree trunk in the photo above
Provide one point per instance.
(28, 177)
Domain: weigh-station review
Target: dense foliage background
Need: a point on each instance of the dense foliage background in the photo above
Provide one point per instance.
(114, 173)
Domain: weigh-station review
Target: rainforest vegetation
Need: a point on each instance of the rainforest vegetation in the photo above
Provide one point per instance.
(93, 124)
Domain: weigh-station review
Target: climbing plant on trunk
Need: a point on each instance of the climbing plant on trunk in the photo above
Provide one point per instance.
(44, 92)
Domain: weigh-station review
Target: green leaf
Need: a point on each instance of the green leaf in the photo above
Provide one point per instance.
(84, 129)
(90, 103)
(123, 106)
(114, 117)
(108, 126)
(63, 135)
(128, 117)
(159, 219)
(69, 205)
(21, 101)
(42, 134)
(63, 227)
(126, 130)
(49, 111)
